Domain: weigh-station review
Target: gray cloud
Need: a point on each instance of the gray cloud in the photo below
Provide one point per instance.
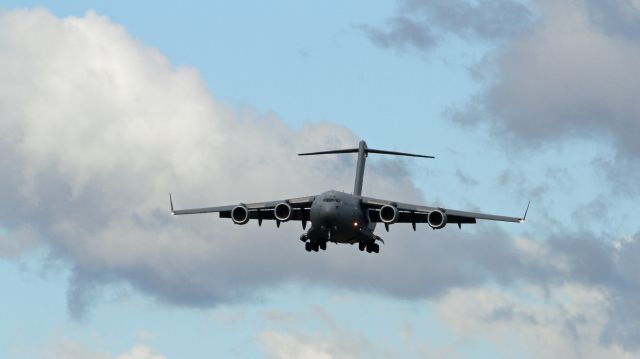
(403, 33)
(624, 311)
(612, 266)
(616, 17)
(568, 72)
(420, 24)
(570, 77)
(465, 178)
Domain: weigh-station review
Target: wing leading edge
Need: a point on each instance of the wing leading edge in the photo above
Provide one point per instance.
(260, 210)
(411, 213)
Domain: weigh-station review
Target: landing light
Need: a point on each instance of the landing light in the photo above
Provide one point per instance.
(355, 224)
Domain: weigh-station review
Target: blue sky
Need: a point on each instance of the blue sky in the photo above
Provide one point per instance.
(483, 97)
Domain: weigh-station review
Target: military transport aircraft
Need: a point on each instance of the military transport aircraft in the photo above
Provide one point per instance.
(340, 217)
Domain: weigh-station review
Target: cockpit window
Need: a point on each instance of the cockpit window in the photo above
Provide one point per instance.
(331, 200)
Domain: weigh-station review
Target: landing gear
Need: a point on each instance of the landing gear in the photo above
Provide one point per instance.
(315, 246)
(369, 247)
(375, 248)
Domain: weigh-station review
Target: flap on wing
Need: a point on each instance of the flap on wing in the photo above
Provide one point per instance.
(460, 219)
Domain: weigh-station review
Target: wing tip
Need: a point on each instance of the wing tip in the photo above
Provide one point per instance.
(173, 213)
(524, 218)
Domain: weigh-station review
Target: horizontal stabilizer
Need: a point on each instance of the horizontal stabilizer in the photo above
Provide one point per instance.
(367, 151)
(363, 152)
(349, 150)
(370, 150)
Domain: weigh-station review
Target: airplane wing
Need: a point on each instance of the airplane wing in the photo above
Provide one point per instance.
(411, 213)
(295, 209)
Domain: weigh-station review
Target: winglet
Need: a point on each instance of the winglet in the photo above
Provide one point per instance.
(524, 218)
(171, 204)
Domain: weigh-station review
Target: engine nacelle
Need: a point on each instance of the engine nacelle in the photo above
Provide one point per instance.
(389, 214)
(240, 214)
(283, 211)
(437, 219)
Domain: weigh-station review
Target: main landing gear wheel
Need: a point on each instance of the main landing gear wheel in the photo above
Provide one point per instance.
(315, 246)
(375, 248)
(369, 247)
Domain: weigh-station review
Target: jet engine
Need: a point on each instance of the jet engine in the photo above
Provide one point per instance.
(437, 219)
(240, 214)
(389, 214)
(283, 211)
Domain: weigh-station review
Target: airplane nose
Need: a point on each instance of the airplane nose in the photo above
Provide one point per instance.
(324, 216)
(328, 213)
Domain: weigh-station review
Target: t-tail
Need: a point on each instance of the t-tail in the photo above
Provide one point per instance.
(362, 151)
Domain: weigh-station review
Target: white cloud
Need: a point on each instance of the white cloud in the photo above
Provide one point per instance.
(65, 348)
(298, 341)
(140, 352)
(285, 346)
(71, 350)
(96, 128)
(566, 321)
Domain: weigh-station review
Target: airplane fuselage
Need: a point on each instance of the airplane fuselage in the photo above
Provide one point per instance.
(339, 217)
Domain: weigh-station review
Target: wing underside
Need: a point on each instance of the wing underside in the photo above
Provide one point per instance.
(410, 213)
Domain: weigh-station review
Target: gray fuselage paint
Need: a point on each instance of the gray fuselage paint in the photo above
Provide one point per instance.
(340, 217)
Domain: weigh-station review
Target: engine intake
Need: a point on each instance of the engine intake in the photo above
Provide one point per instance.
(240, 214)
(283, 211)
(389, 214)
(437, 219)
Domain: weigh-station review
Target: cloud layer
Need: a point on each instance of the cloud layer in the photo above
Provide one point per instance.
(97, 128)
(569, 77)
(561, 72)
(557, 71)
